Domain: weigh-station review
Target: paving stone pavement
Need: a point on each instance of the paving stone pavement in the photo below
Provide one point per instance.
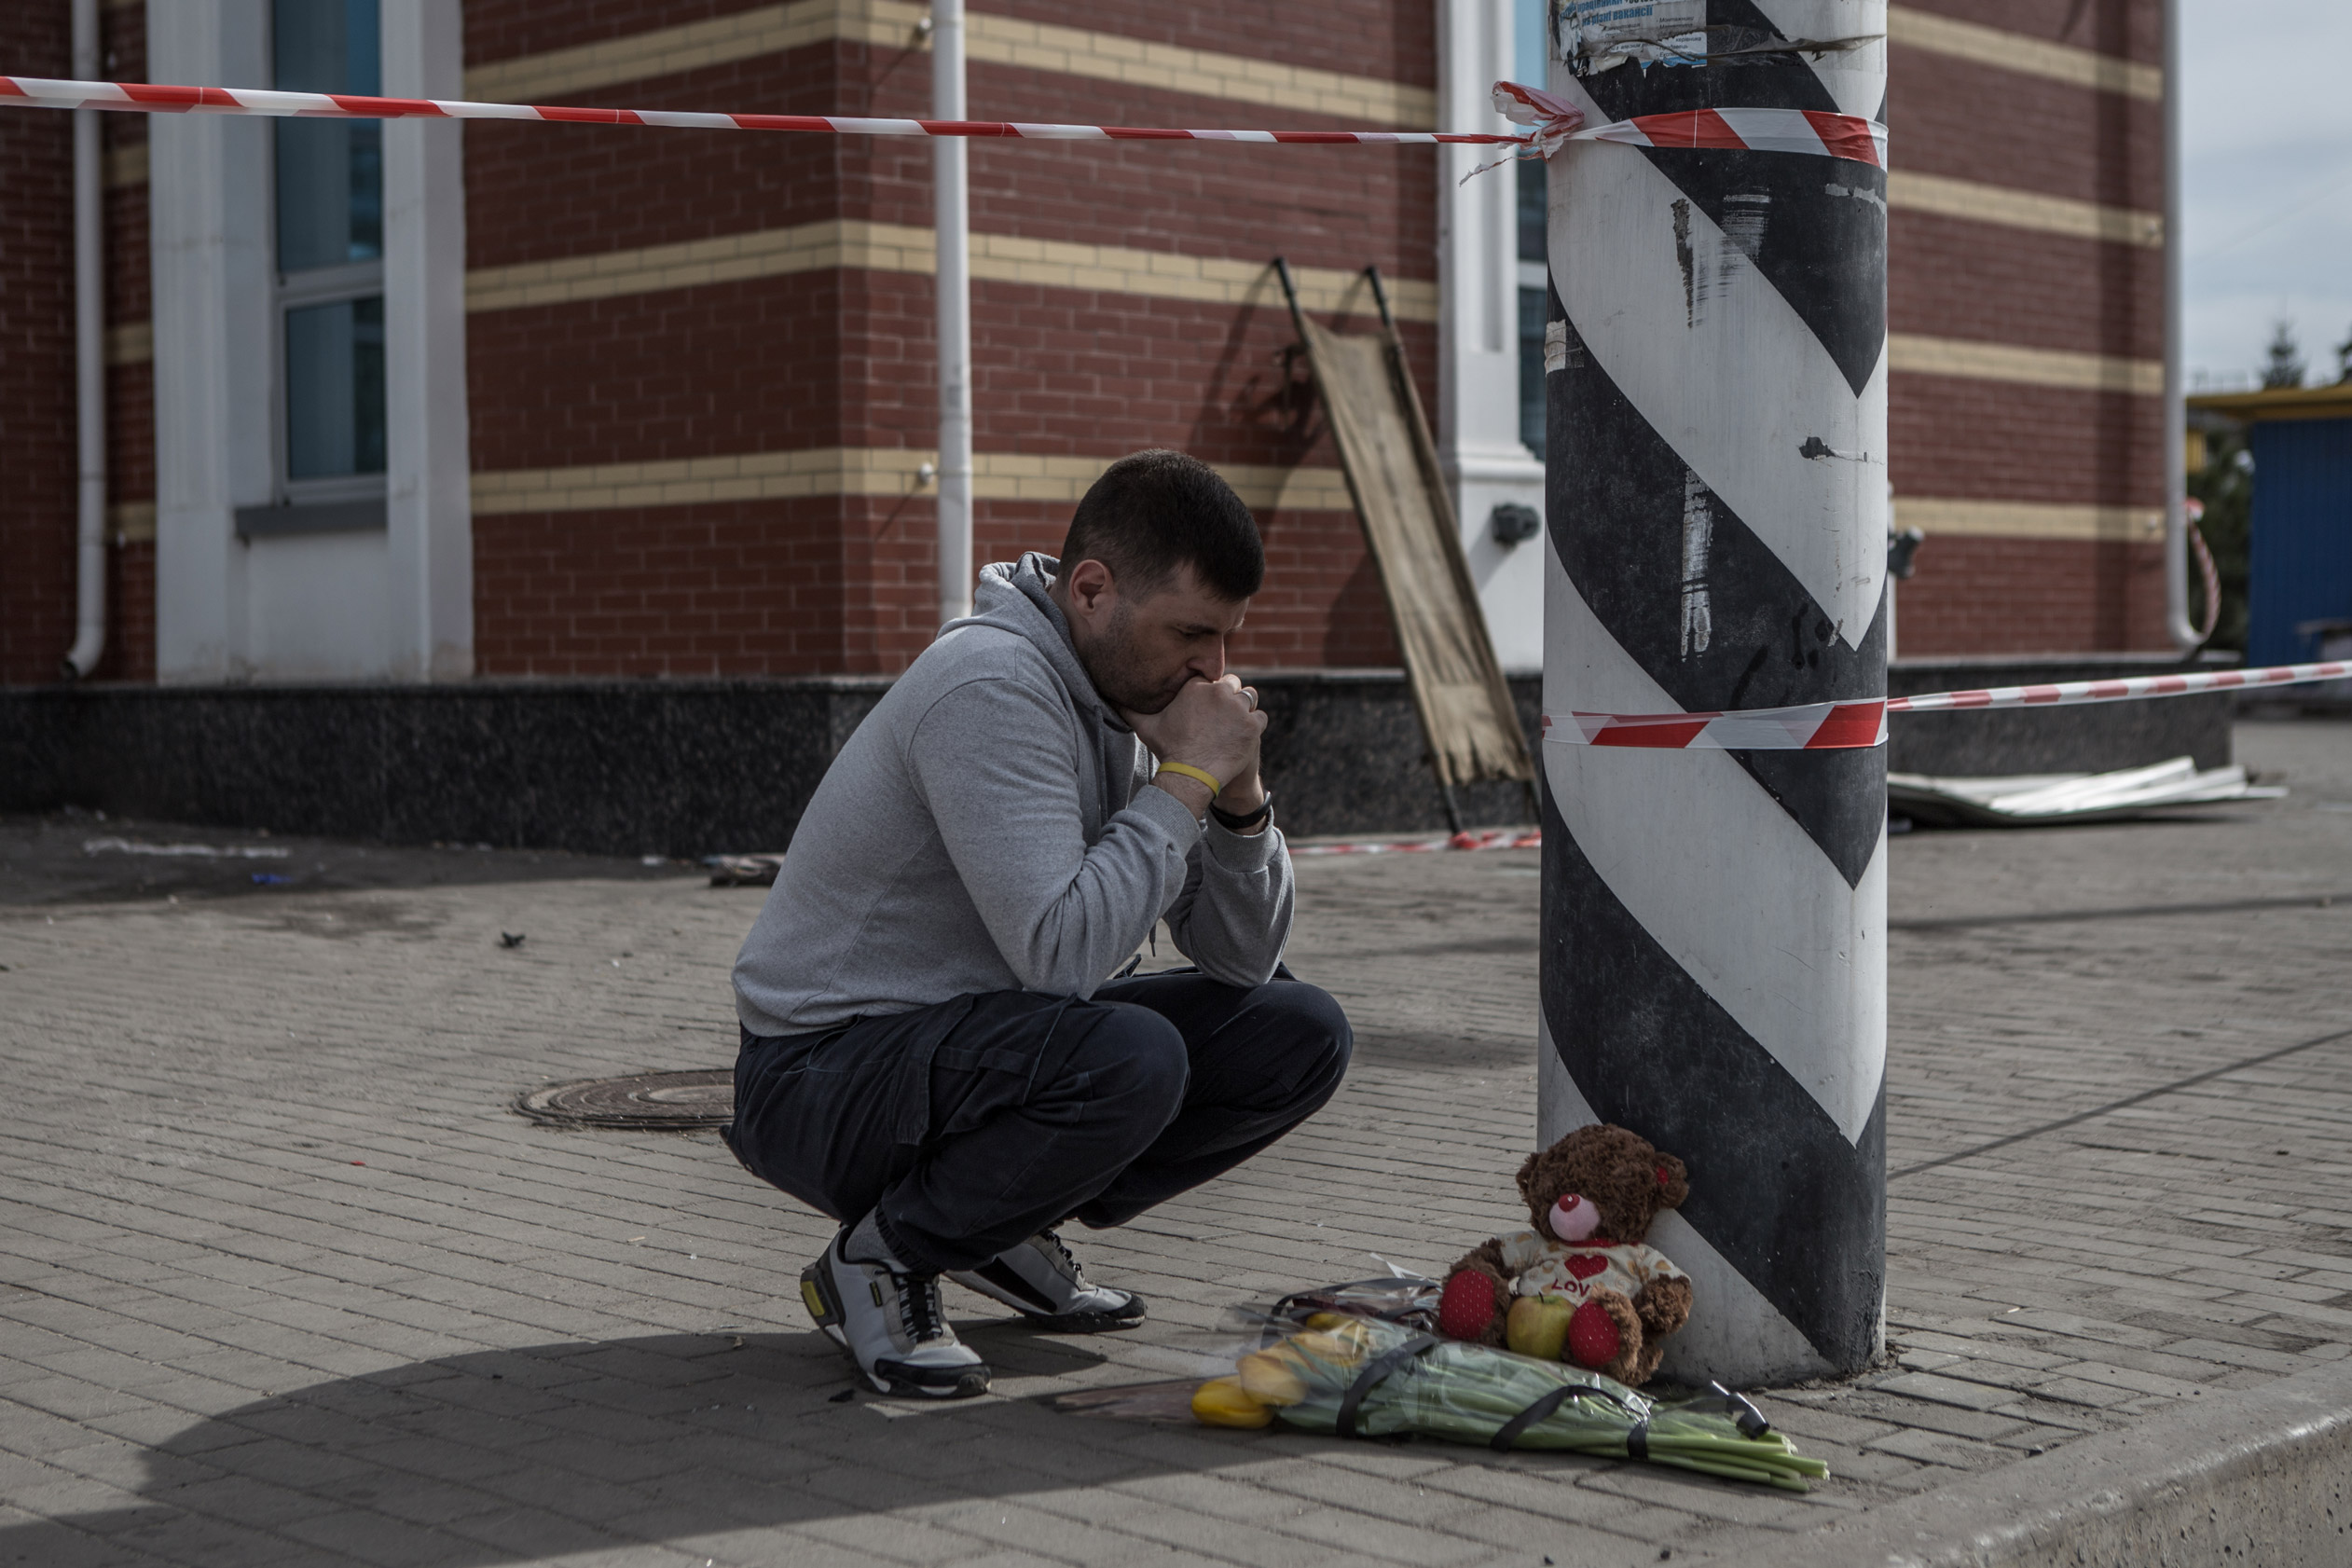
(283, 1281)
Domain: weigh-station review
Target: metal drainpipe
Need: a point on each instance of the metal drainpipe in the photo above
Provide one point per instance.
(952, 214)
(90, 359)
(2185, 636)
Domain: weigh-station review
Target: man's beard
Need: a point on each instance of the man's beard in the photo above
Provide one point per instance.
(1118, 668)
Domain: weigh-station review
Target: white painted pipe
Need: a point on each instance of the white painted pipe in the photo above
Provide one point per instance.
(2183, 633)
(90, 359)
(951, 217)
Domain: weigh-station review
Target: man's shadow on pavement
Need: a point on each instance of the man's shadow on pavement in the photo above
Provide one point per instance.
(510, 1455)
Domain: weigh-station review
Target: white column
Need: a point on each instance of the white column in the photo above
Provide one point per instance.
(214, 374)
(2177, 626)
(1478, 331)
(429, 518)
(90, 361)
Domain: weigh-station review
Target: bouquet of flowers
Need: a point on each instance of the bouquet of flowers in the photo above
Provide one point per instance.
(1361, 1366)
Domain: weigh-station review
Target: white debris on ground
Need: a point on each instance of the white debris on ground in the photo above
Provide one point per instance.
(184, 851)
(2024, 799)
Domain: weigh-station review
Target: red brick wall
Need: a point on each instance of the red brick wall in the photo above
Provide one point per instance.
(2133, 29)
(130, 388)
(36, 364)
(1962, 439)
(837, 358)
(39, 436)
(2031, 596)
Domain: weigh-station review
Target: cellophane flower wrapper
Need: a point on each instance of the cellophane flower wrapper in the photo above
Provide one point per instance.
(1470, 1393)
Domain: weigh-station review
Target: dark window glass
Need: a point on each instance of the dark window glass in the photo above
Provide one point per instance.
(335, 389)
(330, 172)
(1531, 209)
(1531, 369)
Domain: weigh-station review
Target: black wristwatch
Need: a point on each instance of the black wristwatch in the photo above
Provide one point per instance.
(1233, 824)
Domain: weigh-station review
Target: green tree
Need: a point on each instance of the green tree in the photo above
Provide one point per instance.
(2284, 366)
(2344, 362)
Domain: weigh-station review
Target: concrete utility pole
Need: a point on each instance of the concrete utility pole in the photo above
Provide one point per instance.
(952, 218)
(1714, 923)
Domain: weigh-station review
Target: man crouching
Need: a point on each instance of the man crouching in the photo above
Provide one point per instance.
(935, 1052)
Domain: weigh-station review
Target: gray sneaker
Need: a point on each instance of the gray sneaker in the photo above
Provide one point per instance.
(1042, 1281)
(888, 1318)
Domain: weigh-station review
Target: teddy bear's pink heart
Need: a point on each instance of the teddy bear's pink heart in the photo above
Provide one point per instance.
(1585, 1267)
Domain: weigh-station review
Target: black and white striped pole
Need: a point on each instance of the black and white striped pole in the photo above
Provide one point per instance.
(1717, 502)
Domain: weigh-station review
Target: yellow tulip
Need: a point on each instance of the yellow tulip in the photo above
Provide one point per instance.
(1224, 1402)
(1343, 1346)
(1272, 1376)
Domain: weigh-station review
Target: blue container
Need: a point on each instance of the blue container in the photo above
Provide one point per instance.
(2302, 544)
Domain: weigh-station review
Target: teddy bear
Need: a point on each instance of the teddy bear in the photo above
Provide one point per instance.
(1591, 1196)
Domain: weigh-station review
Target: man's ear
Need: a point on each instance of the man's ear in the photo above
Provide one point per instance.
(1090, 587)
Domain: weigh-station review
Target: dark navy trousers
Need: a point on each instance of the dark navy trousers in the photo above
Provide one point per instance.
(975, 1123)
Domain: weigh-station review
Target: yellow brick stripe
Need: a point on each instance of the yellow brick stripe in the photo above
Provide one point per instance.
(2022, 366)
(132, 522)
(991, 39)
(855, 471)
(126, 165)
(2018, 52)
(897, 248)
(2028, 519)
(131, 343)
(665, 52)
(2023, 209)
(1110, 57)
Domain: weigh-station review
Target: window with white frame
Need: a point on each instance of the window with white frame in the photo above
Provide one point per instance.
(1531, 27)
(330, 258)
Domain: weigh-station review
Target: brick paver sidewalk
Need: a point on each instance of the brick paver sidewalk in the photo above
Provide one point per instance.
(281, 1280)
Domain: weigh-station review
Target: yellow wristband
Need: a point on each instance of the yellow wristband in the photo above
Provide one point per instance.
(1189, 771)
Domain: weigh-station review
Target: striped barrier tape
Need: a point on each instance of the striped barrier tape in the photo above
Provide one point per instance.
(1494, 838)
(1829, 726)
(1553, 122)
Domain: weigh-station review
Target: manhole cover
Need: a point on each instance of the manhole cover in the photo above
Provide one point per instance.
(671, 1102)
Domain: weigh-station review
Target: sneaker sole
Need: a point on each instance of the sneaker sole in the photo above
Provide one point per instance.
(1087, 1323)
(966, 1383)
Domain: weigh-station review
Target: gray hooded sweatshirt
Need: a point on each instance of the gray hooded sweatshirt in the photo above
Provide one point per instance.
(988, 828)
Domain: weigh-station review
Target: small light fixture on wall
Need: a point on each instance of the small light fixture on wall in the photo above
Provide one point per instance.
(1514, 524)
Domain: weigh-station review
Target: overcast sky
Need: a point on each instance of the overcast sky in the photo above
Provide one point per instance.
(2269, 163)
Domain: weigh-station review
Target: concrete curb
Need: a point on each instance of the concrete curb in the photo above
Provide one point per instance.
(2262, 1475)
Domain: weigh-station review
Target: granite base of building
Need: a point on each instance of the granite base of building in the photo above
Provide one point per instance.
(673, 767)
(2093, 738)
(695, 767)
(678, 768)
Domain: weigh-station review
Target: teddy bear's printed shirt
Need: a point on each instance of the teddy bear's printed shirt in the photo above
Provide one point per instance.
(1540, 1266)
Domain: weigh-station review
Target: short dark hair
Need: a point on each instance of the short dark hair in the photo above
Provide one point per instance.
(1152, 512)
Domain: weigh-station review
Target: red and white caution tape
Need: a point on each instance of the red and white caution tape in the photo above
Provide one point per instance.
(1492, 839)
(1557, 122)
(139, 97)
(1820, 727)
(1764, 130)
(1827, 726)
